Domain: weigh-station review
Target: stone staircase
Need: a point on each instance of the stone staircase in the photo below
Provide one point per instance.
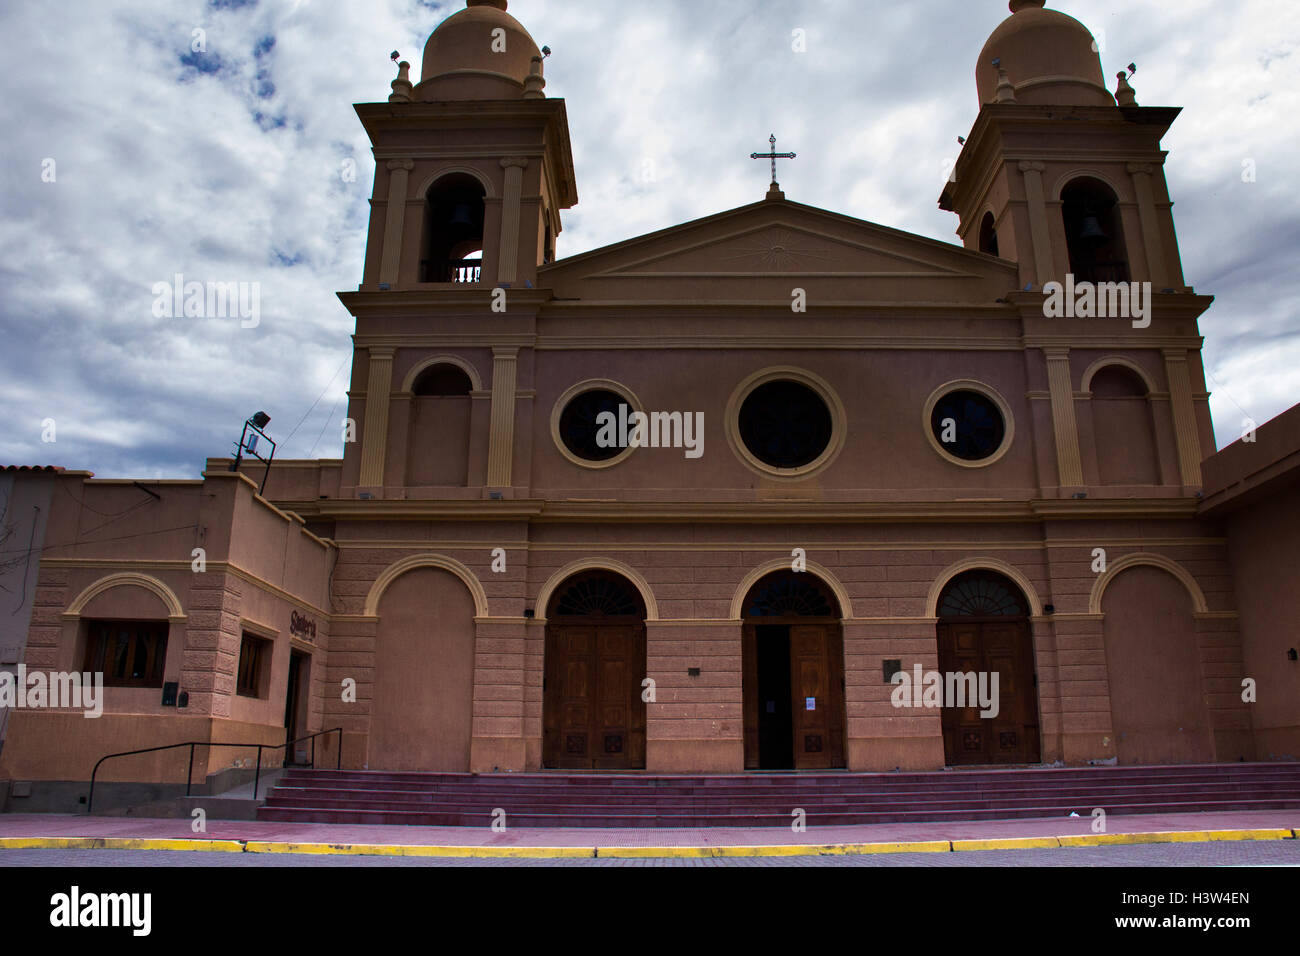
(557, 799)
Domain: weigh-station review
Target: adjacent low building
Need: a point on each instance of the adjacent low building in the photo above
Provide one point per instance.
(205, 609)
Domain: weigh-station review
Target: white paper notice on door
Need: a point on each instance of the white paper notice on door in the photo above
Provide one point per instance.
(810, 703)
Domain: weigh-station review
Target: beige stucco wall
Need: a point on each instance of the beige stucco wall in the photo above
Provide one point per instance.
(1264, 545)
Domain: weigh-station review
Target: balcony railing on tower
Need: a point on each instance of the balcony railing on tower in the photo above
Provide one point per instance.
(457, 270)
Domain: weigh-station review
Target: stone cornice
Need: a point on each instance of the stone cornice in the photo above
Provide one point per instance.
(384, 122)
(987, 144)
(1113, 340)
(756, 512)
(420, 302)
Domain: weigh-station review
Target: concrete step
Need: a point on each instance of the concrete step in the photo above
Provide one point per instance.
(767, 799)
(690, 819)
(856, 783)
(520, 798)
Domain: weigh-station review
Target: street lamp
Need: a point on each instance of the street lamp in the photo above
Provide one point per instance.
(248, 443)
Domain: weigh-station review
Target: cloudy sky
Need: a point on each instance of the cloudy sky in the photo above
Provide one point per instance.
(225, 165)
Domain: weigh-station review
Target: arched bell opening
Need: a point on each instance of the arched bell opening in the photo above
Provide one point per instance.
(1094, 232)
(988, 240)
(453, 235)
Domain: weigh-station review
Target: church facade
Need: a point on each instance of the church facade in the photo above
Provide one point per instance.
(714, 498)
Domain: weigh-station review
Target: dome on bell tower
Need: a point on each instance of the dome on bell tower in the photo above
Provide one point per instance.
(1050, 58)
(479, 53)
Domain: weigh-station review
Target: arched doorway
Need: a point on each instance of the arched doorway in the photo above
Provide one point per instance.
(593, 713)
(421, 705)
(984, 629)
(792, 658)
(1153, 668)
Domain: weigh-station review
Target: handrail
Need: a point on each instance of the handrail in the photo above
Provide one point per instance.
(189, 778)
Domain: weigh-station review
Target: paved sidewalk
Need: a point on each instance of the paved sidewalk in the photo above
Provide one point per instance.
(22, 831)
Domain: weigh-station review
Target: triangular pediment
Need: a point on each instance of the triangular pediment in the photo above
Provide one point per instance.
(757, 251)
(780, 248)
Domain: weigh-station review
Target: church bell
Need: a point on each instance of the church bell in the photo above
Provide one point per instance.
(1092, 231)
(460, 217)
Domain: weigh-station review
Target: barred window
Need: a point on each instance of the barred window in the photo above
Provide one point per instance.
(127, 653)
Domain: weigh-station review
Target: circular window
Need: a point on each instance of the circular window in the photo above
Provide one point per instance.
(580, 426)
(968, 424)
(578, 430)
(785, 424)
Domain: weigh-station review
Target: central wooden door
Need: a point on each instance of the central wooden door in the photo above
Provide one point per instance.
(594, 716)
(817, 676)
(987, 647)
(793, 678)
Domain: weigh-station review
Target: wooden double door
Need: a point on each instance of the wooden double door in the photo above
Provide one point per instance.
(594, 717)
(986, 646)
(793, 675)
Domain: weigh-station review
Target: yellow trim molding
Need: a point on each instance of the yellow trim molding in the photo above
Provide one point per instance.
(983, 564)
(989, 392)
(786, 373)
(603, 564)
(592, 384)
(1155, 560)
(1085, 384)
(783, 564)
(408, 382)
(175, 612)
(398, 568)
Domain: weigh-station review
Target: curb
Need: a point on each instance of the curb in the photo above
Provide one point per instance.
(446, 852)
(1183, 836)
(118, 843)
(718, 852)
(643, 852)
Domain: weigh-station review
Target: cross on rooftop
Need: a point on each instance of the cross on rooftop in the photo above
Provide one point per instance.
(773, 155)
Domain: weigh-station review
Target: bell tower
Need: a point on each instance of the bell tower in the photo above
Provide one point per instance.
(1058, 174)
(472, 164)
(1067, 180)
